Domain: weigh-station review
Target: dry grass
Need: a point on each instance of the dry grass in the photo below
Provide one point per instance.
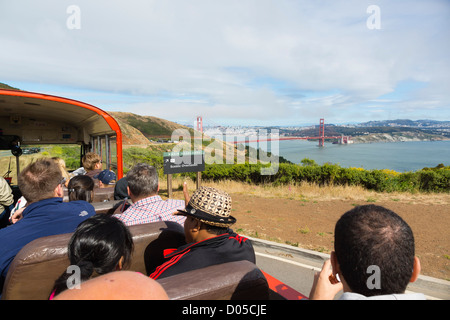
(313, 192)
(10, 162)
(305, 191)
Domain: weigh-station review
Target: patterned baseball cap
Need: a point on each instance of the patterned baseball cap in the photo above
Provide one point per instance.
(210, 206)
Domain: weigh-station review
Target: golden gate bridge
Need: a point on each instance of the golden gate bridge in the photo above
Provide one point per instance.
(321, 137)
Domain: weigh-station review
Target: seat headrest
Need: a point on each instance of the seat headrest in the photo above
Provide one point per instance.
(233, 280)
(35, 268)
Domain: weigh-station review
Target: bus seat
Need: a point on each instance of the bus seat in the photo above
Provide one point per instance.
(100, 194)
(238, 280)
(103, 194)
(107, 207)
(35, 268)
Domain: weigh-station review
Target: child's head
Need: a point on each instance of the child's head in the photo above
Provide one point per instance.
(100, 244)
(91, 161)
(102, 240)
(81, 188)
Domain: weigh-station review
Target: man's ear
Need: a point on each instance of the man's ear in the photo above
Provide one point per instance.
(59, 191)
(198, 225)
(334, 263)
(416, 270)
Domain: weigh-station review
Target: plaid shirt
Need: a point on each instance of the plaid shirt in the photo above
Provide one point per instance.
(152, 209)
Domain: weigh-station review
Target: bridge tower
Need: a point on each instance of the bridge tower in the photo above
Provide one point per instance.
(322, 133)
(199, 124)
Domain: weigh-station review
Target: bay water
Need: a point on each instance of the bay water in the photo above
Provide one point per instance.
(398, 156)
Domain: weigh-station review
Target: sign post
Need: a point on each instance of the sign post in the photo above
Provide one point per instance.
(185, 161)
(169, 185)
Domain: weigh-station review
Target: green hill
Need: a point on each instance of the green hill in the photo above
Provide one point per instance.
(5, 86)
(141, 129)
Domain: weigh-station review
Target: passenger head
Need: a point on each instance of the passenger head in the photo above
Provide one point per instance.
(119, 285)
(207, 213)
(62, 166)
(106, 178)
(195, 230)
(100, 244)
(120, 189)
(81, 188)
(371, 235)
(91, 161)
(39, 180)
(143, 180)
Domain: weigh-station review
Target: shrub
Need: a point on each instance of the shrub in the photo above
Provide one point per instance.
(426, 180)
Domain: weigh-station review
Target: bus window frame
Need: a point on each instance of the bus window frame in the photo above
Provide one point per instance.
(111, 122)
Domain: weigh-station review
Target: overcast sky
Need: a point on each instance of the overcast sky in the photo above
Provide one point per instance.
(255, 62)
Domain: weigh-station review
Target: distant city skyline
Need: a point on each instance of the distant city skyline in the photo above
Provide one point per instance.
(235, 62)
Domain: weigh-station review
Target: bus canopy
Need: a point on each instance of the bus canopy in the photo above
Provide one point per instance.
(38, 119)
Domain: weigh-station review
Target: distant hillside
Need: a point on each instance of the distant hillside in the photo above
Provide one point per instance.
(399, 136)
(5, 86)
(332, 130)
(383, 131)
(138, 129)
(406, 123)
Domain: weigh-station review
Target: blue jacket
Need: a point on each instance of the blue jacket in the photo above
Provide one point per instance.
(40, 219)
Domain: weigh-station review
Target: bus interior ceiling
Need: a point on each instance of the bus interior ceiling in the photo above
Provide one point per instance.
(31, 119)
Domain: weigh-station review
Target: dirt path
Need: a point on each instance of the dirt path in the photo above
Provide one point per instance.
(306, 218)
(310, 225)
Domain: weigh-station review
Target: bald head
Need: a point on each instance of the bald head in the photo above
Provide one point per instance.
(119, 285)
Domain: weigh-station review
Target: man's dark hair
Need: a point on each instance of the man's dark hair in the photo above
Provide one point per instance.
(214, 229)
(372, 235)
(97, 245)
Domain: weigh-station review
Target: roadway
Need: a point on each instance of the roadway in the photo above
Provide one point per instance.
(285, 138)
(5, 153)
(296, 267)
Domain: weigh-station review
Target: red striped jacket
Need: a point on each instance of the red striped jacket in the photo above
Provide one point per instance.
(223, 248)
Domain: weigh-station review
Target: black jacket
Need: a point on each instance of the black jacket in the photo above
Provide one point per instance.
(223, 248)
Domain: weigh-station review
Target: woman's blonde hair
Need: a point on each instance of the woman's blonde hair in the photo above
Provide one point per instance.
(62, 166)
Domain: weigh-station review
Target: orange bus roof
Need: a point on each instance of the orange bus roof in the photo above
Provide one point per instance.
(38, 108)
